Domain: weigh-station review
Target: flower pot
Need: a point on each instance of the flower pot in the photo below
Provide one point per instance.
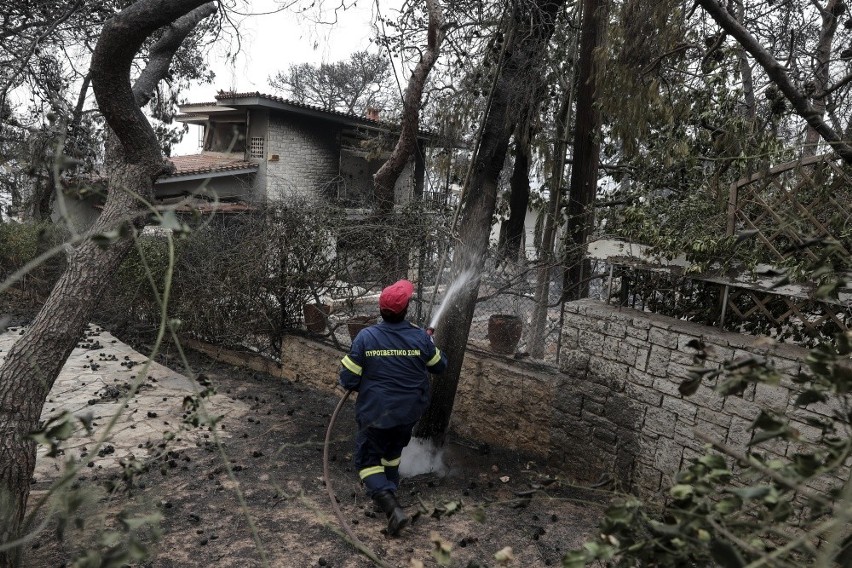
(316, 317)
(357, 323)
(504, 333)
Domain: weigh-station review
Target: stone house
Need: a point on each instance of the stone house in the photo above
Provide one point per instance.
(258, 147)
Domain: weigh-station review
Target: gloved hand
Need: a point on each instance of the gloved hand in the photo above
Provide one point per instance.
(430, 331)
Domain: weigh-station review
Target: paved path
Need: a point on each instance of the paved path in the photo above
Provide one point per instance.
(95, 384)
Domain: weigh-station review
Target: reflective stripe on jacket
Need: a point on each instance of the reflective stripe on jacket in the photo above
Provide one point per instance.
(388, 366)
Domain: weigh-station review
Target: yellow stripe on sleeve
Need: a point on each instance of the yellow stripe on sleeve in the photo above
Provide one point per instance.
(434, 360)
(354, 367)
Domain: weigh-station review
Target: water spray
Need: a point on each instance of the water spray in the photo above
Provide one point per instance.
(461, 282)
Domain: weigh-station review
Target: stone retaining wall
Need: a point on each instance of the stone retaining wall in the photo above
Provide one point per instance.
(624, 368)
(613, 410)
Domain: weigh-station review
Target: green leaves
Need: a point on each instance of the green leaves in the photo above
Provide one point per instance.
(446, 509)
(54, 432)
(769, 427)
(169, 221)
(441, 549)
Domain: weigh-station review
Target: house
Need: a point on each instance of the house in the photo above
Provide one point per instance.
(258, 147)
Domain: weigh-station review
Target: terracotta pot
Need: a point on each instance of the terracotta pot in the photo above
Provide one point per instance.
(316, 317)
(504, 333)
(357, 323)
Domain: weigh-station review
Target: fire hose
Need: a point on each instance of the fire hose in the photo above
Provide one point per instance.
(355, 541)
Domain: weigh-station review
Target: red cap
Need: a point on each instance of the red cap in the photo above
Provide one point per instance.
(396, 296)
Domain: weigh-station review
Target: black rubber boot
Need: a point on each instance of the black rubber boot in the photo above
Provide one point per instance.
(397, 519)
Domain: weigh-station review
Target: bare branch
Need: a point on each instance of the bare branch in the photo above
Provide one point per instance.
(779, 76)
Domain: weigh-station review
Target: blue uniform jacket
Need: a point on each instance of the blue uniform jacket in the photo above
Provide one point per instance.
(388, 366)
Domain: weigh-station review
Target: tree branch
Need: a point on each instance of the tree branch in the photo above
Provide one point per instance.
(778, 76)
(162, 52)
(386, 177)
(120, 40)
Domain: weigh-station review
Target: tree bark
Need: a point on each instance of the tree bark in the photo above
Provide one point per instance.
(776, 73)
(512, 230)
(535, 341)
(520, 75)
(584, 171)
(822, 61)
(750, 110)
(134, 161)
(385, 179)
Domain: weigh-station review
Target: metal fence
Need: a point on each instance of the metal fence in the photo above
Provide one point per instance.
(506, 292)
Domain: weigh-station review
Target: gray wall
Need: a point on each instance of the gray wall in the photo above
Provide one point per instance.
(614, 409)
(621, 402)
(307, 157)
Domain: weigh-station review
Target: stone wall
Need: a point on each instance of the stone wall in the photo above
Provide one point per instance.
(309, 161)
(308, 157)
(614, 409)
(622, 403)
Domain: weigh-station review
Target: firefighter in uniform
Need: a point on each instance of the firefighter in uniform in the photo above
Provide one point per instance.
(388, 366)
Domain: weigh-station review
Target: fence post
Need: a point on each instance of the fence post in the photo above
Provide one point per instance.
(609, 285)
(724, 309)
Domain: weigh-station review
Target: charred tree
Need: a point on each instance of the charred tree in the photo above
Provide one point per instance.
(519, 76)
(584, 172)
(134, 161)
(512, 231)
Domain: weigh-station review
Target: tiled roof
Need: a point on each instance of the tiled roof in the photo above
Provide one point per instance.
(224, 95)
(209, 162)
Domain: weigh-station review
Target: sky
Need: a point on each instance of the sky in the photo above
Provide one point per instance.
(273, 41)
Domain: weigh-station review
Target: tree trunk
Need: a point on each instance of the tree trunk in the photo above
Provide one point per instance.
(535, 341)
(821, 73)
(512, 230)
(385, 179)
(584, 172)
(134, 162)
(520, 75)
(33, 363)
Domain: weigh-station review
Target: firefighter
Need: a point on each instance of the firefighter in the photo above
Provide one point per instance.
(387, 365)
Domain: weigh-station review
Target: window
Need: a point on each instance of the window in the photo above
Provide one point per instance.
(256, 149)
(226, 137)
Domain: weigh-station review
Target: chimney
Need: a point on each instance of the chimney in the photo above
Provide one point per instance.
(373, 113)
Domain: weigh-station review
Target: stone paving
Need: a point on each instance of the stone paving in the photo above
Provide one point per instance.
(95, 384)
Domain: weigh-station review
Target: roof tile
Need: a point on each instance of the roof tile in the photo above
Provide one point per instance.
(207, 162)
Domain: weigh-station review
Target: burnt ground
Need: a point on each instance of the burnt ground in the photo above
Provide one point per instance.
(274, 454)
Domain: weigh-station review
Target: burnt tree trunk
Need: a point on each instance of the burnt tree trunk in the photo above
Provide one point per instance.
(512, 231)
(584, 172)
(134, 161)
(519, 77)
